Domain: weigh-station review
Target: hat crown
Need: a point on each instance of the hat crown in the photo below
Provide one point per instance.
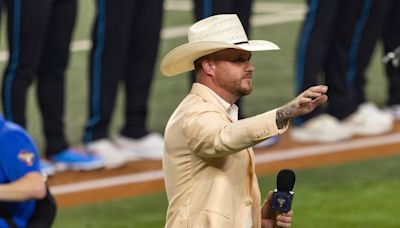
(225, 28)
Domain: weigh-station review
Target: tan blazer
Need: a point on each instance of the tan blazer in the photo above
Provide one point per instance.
(209, 163)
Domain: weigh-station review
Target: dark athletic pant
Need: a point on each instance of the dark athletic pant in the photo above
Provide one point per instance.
(125, 38)
(391, 41)
(313, 46)
(39, 36)
(335, 46)
(350, 58)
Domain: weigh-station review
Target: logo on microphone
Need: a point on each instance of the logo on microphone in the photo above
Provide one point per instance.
(281, 202)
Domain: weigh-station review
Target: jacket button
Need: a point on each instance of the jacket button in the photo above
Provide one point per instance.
(248, 203)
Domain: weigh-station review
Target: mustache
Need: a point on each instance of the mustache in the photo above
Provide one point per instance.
(247, 75)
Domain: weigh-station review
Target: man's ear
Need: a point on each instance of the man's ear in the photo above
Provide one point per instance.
(208, 66)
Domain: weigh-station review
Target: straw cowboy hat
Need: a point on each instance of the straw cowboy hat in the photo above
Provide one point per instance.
(209, 35)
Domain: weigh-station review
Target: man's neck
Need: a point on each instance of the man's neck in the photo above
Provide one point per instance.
(226, 96)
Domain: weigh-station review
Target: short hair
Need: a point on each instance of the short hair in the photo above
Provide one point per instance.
(197, 63)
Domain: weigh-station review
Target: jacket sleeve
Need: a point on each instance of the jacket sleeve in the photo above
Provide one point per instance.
(210, 133)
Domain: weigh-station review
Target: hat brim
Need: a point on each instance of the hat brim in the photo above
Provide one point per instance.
(181, 58)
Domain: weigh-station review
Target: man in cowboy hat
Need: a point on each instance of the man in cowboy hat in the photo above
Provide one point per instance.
(208, 161)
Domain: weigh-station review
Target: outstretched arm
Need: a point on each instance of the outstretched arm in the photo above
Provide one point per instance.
(304, 103)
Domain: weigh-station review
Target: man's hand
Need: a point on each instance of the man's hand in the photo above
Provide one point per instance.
(304, 103)
(269, 217)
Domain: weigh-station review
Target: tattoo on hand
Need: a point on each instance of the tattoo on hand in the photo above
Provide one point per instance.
(284, 114)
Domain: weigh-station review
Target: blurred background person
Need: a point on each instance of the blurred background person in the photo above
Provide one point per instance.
(39, 36)
(126, 36)
(347, 70)
(314, 43)
(243, 8)
(335, 46)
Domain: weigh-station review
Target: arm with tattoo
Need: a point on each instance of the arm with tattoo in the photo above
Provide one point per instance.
(284, 114)
(304, 103)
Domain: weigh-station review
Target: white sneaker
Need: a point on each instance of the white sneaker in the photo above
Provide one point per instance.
(323, 128)
(111, 154)
(150, 146)
(393, 110)
(371, 108)
(368, 120)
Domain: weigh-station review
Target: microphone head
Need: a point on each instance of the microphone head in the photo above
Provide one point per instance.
(285, 180)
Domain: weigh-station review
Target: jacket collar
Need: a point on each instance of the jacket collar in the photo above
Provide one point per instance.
(210, 96)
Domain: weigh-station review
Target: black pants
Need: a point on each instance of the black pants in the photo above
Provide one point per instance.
(335, 46)
(349, 58)
(1, 8)
(126, 37)
(313, 46)
(391, 41)
(39, 35)
(206, 8)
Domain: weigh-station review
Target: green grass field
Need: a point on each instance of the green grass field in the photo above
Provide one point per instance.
(361, 194)
(355, 195)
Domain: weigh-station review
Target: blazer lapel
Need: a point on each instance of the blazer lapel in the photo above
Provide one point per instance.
(204, 92)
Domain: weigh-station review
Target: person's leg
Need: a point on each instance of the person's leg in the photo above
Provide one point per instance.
(361, 25)
(346, 78)
(26, 27)
(206, 8)
(110, 37)
(391, 42)
(135, 137)
(367, 43)
(313, 45)
(243, 9)
(350, 23)
(140, 65)
(51, 73)
(51, 77)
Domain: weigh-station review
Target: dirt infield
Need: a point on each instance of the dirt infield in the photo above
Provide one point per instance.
(141, 177)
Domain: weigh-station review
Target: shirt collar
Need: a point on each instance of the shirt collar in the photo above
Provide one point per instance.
(232, 110)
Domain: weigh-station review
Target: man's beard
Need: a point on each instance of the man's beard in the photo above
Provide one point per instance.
(238, 90)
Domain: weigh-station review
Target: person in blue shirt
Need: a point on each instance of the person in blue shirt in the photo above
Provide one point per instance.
(21, 182)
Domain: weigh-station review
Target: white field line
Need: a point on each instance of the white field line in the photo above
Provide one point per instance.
(273, 19)
(342, 147)
(278, 155)
(178, 5)
(107, 182)
(279, 13)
